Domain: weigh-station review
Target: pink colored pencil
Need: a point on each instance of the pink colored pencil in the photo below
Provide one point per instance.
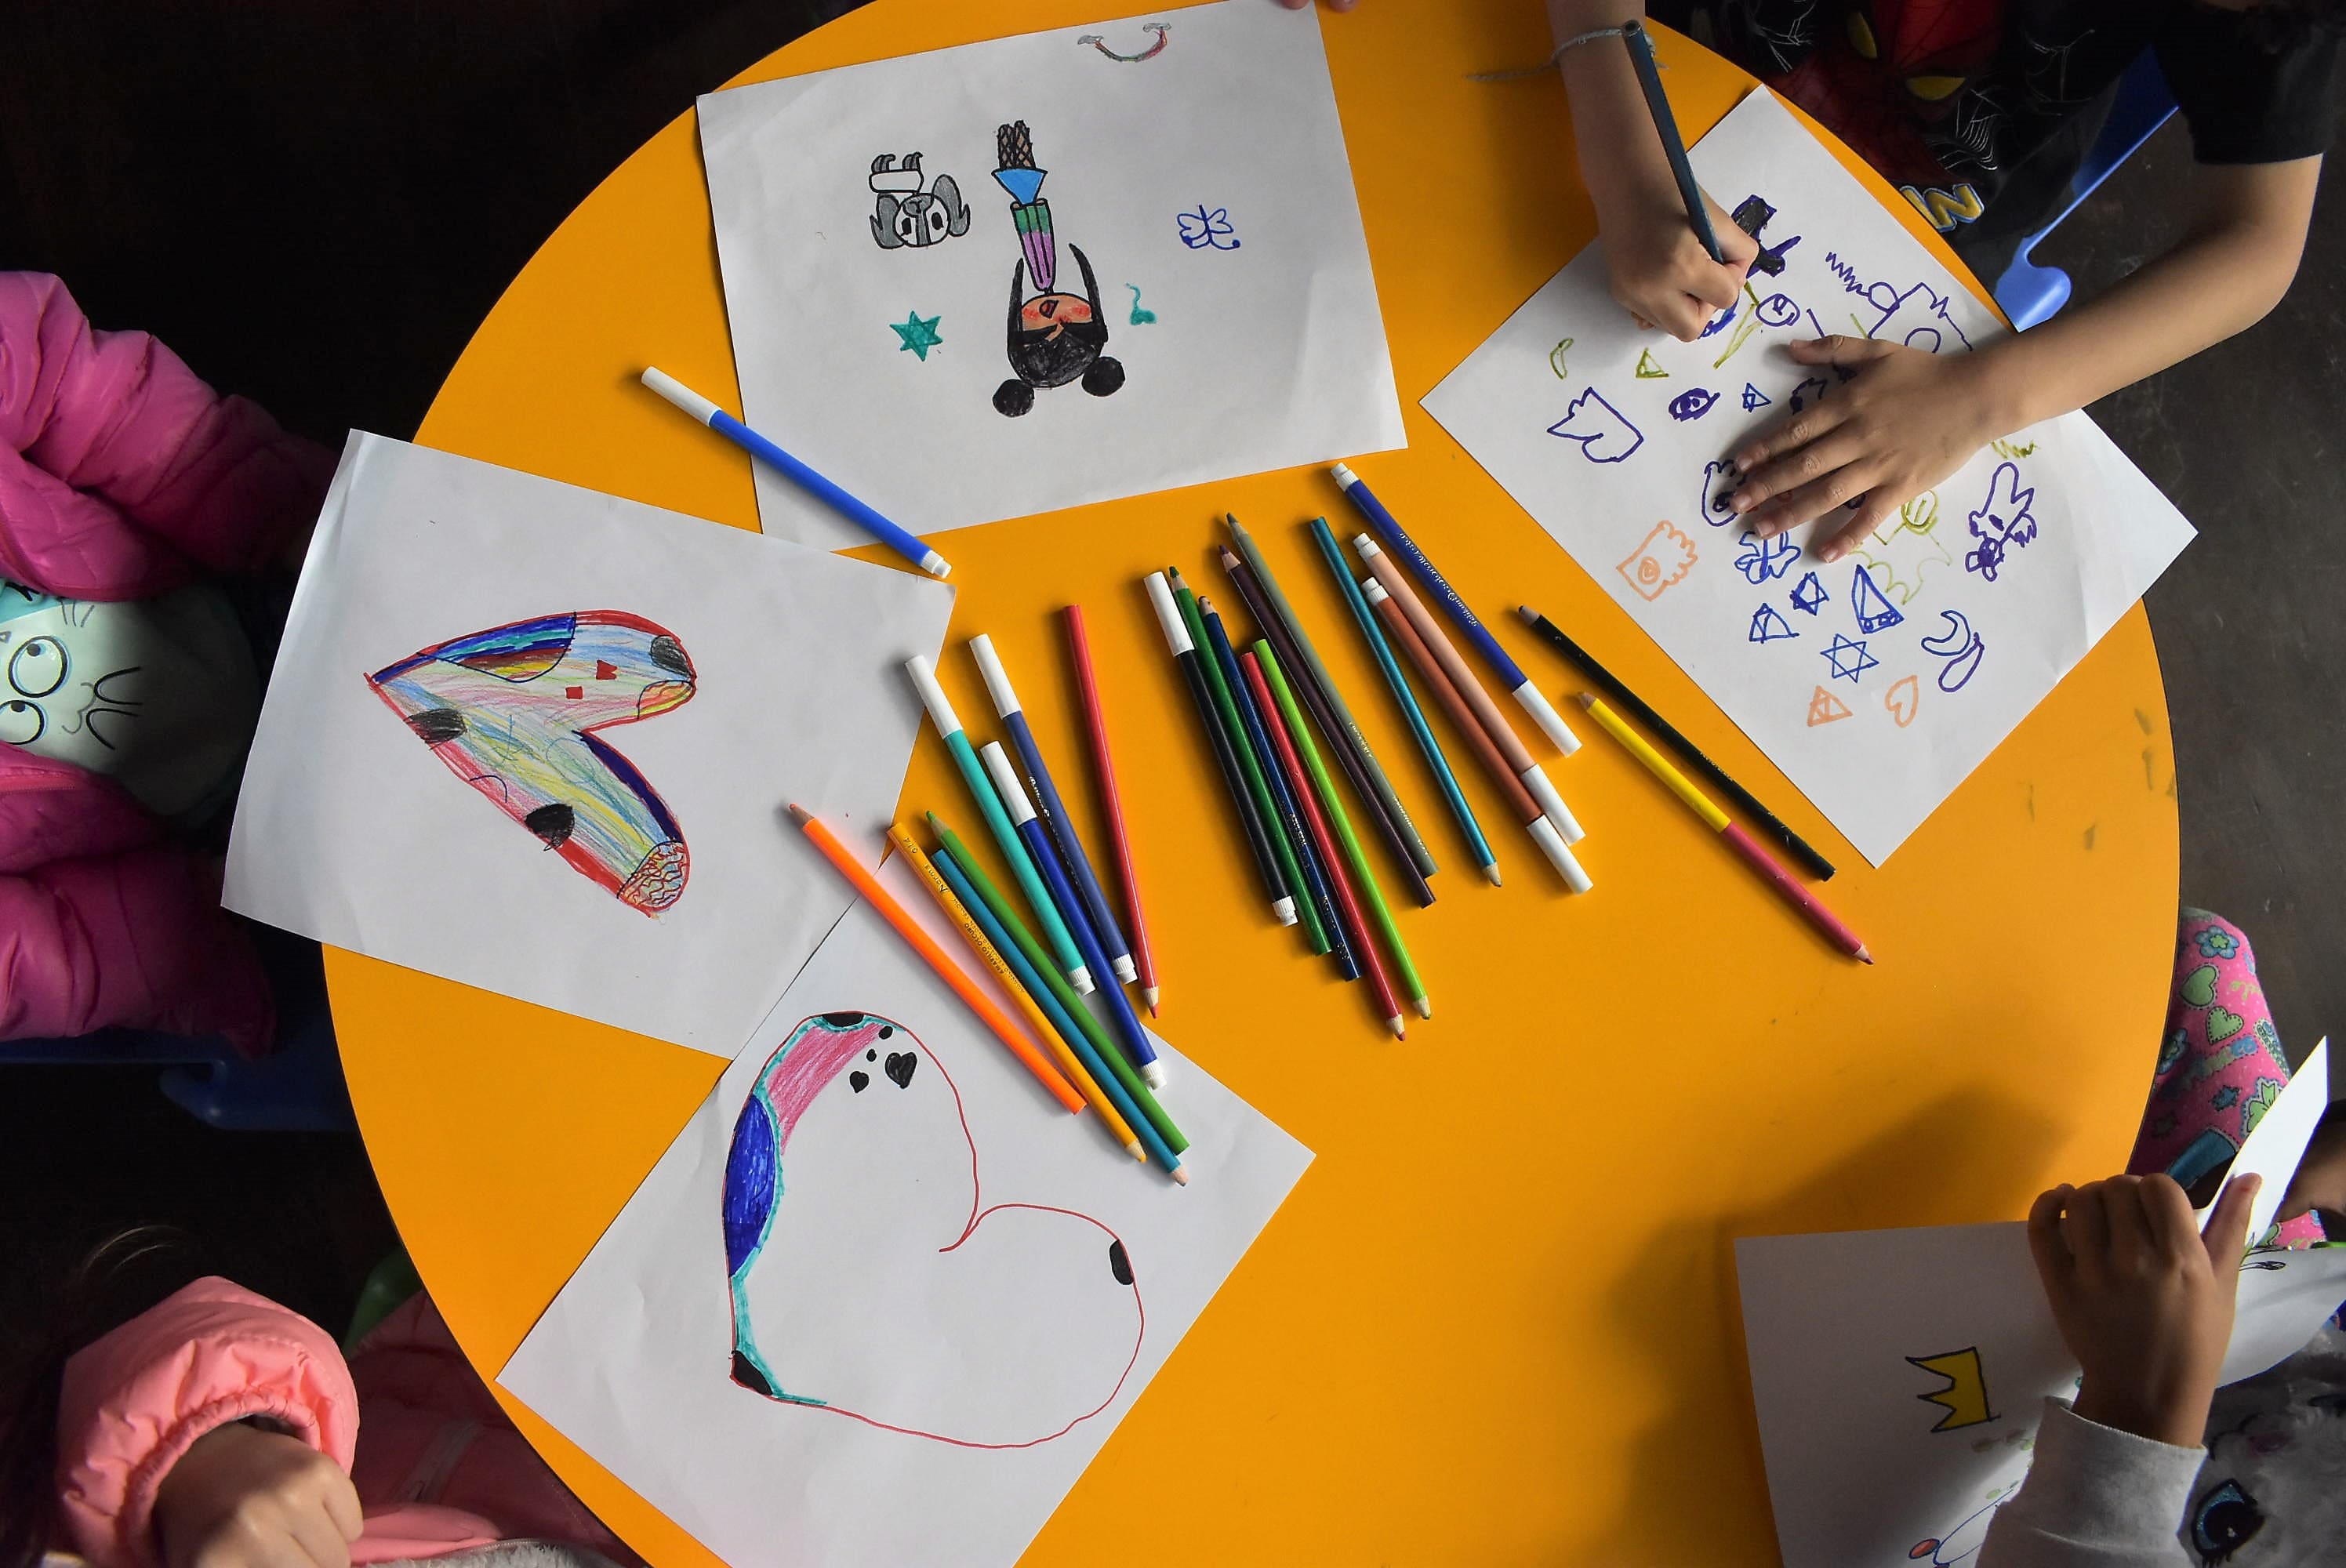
(1079, 652)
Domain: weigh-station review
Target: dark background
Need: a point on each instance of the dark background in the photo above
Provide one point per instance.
(315, 203)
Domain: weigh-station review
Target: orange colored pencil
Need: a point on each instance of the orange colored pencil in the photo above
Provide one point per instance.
(1079, 652)
(1348, 903)
(952, 974)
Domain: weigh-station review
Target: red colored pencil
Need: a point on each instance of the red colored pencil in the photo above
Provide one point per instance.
(1348, 903)
(1079, 652)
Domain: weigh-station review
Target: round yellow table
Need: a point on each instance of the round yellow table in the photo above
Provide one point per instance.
(1496, 1322)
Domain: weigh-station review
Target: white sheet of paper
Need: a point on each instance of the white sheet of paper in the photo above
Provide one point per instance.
(353, 829)
(1876, 701)
(1208, 186)
(938, 1273)
(2278, 1141)
(1864, 1465)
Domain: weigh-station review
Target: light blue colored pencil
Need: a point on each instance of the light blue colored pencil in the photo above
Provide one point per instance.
(1426, 743)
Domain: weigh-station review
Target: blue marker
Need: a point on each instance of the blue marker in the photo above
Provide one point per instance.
(1053, 809)
(798, 473)
(1038, 845)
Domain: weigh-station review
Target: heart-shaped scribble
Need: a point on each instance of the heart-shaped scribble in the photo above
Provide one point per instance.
(512, 712)
(2198, 987)
(899, 1067)
(2223, 1023)
(859, 1080)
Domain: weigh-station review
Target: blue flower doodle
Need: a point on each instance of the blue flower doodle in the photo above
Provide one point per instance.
(2215, 943)
(1202, 230)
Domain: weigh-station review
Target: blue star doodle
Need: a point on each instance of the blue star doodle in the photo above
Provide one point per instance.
(1204, 231)
(1764, 559)
(1809, 595)
(1769, 626)
(1848, 658)
(918, 334)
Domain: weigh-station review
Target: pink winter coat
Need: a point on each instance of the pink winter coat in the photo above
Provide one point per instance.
(123, 476)
(438, 1467)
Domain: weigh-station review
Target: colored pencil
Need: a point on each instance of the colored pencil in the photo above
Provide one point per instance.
(1079, 655)
(1287, 733)
(1689, 752)
(1649, 78)
(1184, 649)
(1087, 1024)
(805, 478)
(1310, 852)
(1770, 869)
(1478, 701)
(1315, 703)
(1252, 765)
(1051, 808)
(1527, 696)
(1527, 810)
(884, 904)
(1398, 683)
(1119, 1007)
(1039, 1021)
(1005, 836)
(1315, 671)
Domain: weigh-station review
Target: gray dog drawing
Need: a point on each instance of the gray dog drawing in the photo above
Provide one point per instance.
(907, 214)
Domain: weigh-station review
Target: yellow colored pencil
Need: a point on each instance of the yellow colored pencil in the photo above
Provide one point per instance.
(1037, 1019)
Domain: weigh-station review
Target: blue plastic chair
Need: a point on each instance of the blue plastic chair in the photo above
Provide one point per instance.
(2030, 293)
(299, 1089)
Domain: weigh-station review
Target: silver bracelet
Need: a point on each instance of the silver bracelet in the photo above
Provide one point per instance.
(1572, 43)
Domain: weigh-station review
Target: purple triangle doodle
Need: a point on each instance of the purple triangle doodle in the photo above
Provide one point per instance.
(1810, 593)
(1768, 625)
(1754, 398)
(1870, 605)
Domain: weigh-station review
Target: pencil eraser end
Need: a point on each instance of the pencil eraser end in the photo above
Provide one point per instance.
(1345, 477)
(677, 392)
(1285, 910)
(937, 565)
(1551, 844)
(932, 695)
(1081, 979)
(1153, 1074)
(1126, 970)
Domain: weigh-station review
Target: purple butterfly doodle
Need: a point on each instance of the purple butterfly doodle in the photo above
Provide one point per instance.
(1765, 559)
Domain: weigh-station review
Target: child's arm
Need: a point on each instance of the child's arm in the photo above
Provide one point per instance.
(1658, 269)
(1911, 419)
(153, 1397)
(2144, 1301)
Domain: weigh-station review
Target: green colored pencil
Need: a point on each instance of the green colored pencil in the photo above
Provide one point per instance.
(1094, 1031)
(1300, 733)
(1251, 763)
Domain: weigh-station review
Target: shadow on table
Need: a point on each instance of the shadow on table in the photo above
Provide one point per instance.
(1699, 1485)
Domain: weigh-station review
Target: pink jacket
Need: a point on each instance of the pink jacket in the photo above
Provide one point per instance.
(438, 1467)
(122, 476)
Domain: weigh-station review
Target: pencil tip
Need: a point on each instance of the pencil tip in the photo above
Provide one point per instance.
(1587, 700)
(1173, 574)
(1492, 872)
(799, 814)
(1230, 557)
(1863, 956)
(1531, 616)
(1425, 1007)
(1181, 1175)
(1136, 1152)
(1401, 1030)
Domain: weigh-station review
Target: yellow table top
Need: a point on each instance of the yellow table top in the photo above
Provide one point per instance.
(1496, 1322)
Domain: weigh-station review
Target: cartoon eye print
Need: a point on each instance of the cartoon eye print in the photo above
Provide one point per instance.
(2223, 1521)
(39, 668)
(21, 722)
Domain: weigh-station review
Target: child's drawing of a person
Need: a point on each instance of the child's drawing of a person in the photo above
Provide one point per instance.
(1054, 338)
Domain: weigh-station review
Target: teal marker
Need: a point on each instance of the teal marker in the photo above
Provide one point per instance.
(1418, 727)
(997, 822)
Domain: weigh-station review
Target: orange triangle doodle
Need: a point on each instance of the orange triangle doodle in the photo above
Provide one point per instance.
(1646, 369)
(1825, 708)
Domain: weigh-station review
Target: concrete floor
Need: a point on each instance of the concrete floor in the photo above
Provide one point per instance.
(314, 205)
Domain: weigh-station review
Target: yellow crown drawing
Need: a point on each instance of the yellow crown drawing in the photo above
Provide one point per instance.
(1964, 1397)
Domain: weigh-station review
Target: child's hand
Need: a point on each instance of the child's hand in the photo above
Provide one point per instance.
(2144, 1300)
(1905, 422)
(243, 1498)
(1658, 268)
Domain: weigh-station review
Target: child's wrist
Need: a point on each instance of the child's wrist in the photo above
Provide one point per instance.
(2177, 1415)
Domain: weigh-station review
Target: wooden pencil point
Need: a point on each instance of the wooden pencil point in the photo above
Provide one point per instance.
(1181, 1175)
(1425, 1007)
(799, 814)
(1400, 1029)
(1492, 872)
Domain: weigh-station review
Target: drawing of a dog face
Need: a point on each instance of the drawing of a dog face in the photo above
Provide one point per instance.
(904, 213)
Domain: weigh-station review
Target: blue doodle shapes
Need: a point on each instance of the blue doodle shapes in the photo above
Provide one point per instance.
(1140, 318)
(1811, 391)
(1916, 316)
(1870, 605)
(1725, 318)
(1958, 648)
(1692, 404)
(1778, 310)
(1604, 434)
(1810, 593)
(1753, 398)
(1202, 230)
(1848, 658)
(2004, 521)
(1767, 625)
(1763, 560)
(1718, 482)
